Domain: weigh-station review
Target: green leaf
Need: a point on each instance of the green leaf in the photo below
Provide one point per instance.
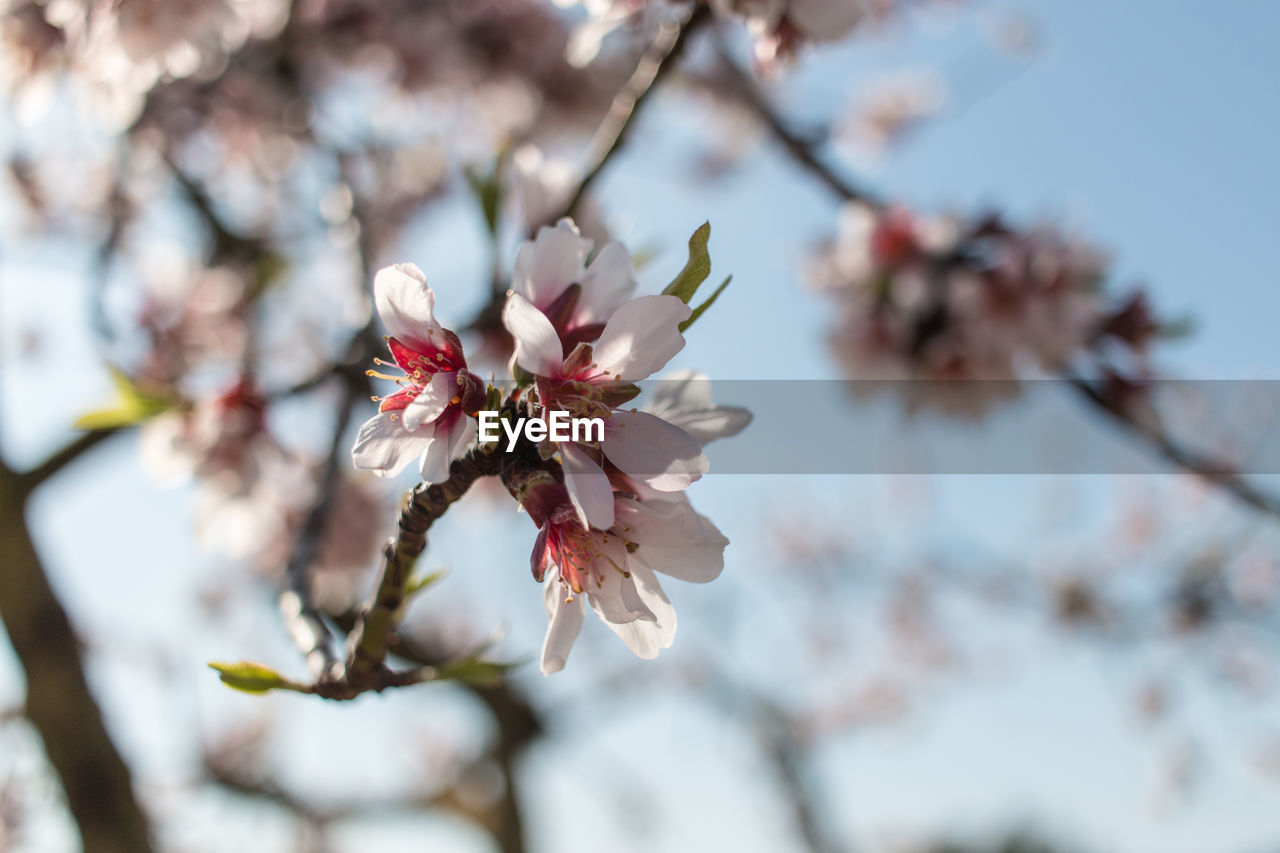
(251, 677)
(488, 191)
(422, 582)
(522, 377)
(696, 269)
(1177, 327)
(697, 312)
(472, 670)
(492, 399)
(268, 271)
(131, 406)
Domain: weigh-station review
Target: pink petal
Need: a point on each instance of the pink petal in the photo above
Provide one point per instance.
(641, 337)
(673, 539)
(588, 487)
(608, 284)
(615, 598)
(431, 401)
(434, 464)
(647, 637)
(461, 435)
(649, 449)
(538, 348)
(405, 304)
(564, 621)
(385, 447)
(551, 262)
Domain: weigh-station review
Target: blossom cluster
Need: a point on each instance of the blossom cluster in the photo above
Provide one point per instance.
(610, 509)
(943, 298)
(253, 493)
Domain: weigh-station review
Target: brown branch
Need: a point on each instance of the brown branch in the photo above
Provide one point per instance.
(59, 704)
(29, 481)
(304, 620)
(246, 783)
(803, 149)
(227, 243)
(371, 639)
(656, 63)
(1215, 473)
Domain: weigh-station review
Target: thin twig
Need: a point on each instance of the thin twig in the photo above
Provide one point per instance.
(30, 480)
(304, 620)
(371, 639)
(227, 243)
(656, 63)
(1212, 472)
(803, 149)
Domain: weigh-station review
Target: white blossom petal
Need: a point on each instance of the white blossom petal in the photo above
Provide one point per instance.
(614, 598)
(385, 447)
(683, 398)
(564, 621)
(588, 487)
(554, 260)
(431, 401)
(674, 539)
(538, 348)
(706, 425)
(653, 451)
(609, 283)
(462, 435)
(434, 465)
(680, 389)
(406, 305)
(648, 637)
(641, 337)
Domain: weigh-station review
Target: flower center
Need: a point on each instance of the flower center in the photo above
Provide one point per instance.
(417, 364)
(581, 554)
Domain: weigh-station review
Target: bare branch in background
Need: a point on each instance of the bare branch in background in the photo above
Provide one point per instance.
(59, 705)
(656, 63)
(29, 481)
(804, 149)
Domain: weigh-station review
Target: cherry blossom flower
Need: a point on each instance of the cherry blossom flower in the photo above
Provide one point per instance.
(431, 416)
(552, 273)
(597, 374)
(615, 569)
(937, 298)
